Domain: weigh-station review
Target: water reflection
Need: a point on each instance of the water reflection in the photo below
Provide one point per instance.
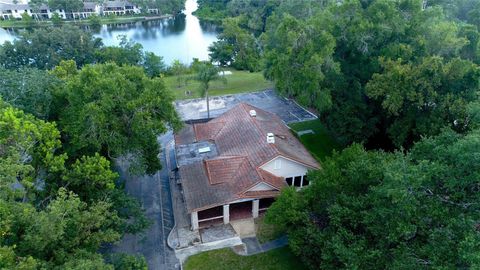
(183, 37)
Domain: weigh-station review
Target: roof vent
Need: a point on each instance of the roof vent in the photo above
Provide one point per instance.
(253, 113)
(270, 138)
(204, 150)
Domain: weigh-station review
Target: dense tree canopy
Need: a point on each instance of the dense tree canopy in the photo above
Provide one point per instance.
(117, 111)
(373, 210)
(44, 224)
(332, 55)
(236, 47)
(44, 48)
(28, 89)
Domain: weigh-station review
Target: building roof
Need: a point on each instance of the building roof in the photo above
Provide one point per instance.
(239, 149)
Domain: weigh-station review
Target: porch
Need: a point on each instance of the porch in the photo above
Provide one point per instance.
(248, 208)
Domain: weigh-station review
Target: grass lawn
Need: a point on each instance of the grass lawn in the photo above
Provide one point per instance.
(222, 259)
(321, 144)
(237, 82)
(266, 232)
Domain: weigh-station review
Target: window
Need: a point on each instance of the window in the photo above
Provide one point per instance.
(289, 180)
(298, 181)
(305, 181)
(278, 164)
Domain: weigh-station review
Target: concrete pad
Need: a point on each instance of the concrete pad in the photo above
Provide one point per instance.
(288, 110)
(216, 233)
(244, 227)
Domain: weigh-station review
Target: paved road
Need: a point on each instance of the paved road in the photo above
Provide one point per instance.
(154, 194)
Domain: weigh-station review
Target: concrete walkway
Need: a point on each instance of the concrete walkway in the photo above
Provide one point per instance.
(254, 247)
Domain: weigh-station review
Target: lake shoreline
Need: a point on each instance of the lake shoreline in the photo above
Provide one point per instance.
(11, 24)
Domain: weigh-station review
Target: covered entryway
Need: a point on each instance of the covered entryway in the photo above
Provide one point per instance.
(241, 210)
(210, 217)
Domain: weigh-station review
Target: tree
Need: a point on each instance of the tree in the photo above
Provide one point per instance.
(153, 64)
(376, 210)
(90, 177)
(117, 111)
(29, 90)
(236, 47)
(128, 53)
(307, 71)
(56, 19)
(66, 5)
(422, 99)
(207, 73)
(29, 153)
(66, 231)
(178, 69)
(44, 48)
(28, 20)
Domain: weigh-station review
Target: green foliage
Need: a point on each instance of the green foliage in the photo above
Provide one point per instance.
(236, 47)
(44, 48)
(420, 99)
(121, 261)
(66, 5)
(29, 152)
(373, 210)
(308, 71)
(128, 53)
(67, 229)
(91, 177)
(153, 64)
(29, 90)
(331, 58)
(43, 223)
(56, 19)
(28, 20)
(206, 72)
(95, 21)
(117, 111)
(177, 69)
(165, 6)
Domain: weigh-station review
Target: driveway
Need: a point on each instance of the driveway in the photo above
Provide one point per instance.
(154, 194)
(286, 109)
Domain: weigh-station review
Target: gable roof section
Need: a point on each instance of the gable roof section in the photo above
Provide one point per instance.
(222, 170)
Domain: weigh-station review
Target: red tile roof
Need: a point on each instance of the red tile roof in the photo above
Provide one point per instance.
(241, 141)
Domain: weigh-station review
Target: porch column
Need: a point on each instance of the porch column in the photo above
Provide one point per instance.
(301, 182)
(226, 214)
(255, 206)
(194, 217)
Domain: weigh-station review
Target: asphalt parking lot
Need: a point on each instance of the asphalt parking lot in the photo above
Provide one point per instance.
(287, 110)
(153, 191)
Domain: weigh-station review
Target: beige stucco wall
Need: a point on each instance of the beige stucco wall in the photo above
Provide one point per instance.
(284, 167)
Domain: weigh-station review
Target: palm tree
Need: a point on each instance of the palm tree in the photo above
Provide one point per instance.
(207, 72)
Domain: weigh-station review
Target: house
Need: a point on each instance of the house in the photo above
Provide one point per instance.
(89, 9)
(120, 8)
(10, 11)
(233, 166)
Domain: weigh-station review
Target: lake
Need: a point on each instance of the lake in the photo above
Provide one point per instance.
(183, 37)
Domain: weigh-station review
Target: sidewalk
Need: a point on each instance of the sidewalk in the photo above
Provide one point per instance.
(254, 247)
